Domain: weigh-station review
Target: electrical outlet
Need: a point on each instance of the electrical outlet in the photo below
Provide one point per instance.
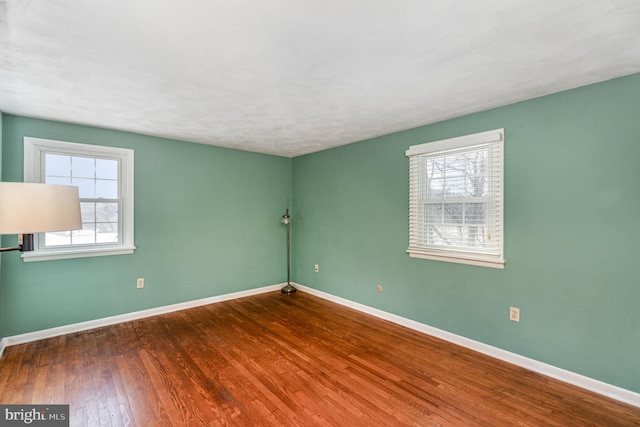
(316, 268)
(514, 314)
(140, 283)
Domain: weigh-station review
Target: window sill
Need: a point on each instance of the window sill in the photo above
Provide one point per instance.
(459, 259)
(75, 253)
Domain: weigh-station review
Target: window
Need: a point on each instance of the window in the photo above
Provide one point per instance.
(456, 199)
(104, 177)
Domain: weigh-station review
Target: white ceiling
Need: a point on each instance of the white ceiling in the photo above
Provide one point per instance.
(290, 77)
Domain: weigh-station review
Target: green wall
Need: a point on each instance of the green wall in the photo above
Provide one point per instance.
(206, 224)
(1, 286)
(572, 204)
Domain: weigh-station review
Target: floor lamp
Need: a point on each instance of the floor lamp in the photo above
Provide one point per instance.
(28, 208)
(286, 220)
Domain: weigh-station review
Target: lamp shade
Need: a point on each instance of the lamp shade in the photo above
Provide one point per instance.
(27, 208)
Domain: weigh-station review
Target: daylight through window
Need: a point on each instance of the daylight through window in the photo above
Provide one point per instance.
(104, 177)
(97, 181)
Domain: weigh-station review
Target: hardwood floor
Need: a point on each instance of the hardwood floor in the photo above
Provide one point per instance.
(281, 360)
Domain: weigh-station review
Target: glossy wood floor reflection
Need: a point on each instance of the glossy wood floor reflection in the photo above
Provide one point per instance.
(280, 360)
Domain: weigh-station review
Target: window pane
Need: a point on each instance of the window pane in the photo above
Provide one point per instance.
(107, 232)
(57, 180)
(57, 238)
(432, 236)
(477, 163)
(85, 236)
(88, 212)
(455, 165)
(437, 235)
(106, 169)
(435, 167)
(475, 237)
(474, 213)
(434, 213)
(435, 188)
(86, 187)
(453, 213)
(106, 189)
(106, 212)
(57, 165)
(449, 236)
(477, 186)
(83, 167)
(455, 187)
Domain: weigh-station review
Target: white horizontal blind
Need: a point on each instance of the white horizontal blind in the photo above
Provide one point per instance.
(456, 198)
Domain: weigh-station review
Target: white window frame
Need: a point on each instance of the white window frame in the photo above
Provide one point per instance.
(34, 151)
(417, 201)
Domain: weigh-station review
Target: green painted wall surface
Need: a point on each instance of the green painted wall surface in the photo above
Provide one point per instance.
(1, 286)
(206, 224)
(572, 203)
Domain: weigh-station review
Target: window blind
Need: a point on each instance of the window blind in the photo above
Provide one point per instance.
(456, 199)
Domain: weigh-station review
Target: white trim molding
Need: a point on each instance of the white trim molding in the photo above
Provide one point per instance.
(434, 167)
(581, 381)
(106, 321)
(614, 392)
(35, 153)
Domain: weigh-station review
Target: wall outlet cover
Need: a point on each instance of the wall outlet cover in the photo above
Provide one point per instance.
(514, 314)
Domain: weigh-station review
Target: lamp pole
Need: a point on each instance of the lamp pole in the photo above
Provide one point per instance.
(286, 220)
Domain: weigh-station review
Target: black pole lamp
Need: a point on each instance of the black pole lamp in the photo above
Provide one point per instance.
(286, 220)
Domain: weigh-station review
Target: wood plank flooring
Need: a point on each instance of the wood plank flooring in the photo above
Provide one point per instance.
(278, 360)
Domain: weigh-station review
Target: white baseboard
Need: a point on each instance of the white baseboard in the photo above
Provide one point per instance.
(106, 321)
(614, 392)
(587, 383)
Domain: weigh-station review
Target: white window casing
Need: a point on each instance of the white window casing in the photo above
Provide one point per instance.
(105, 178)
(456, 200)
